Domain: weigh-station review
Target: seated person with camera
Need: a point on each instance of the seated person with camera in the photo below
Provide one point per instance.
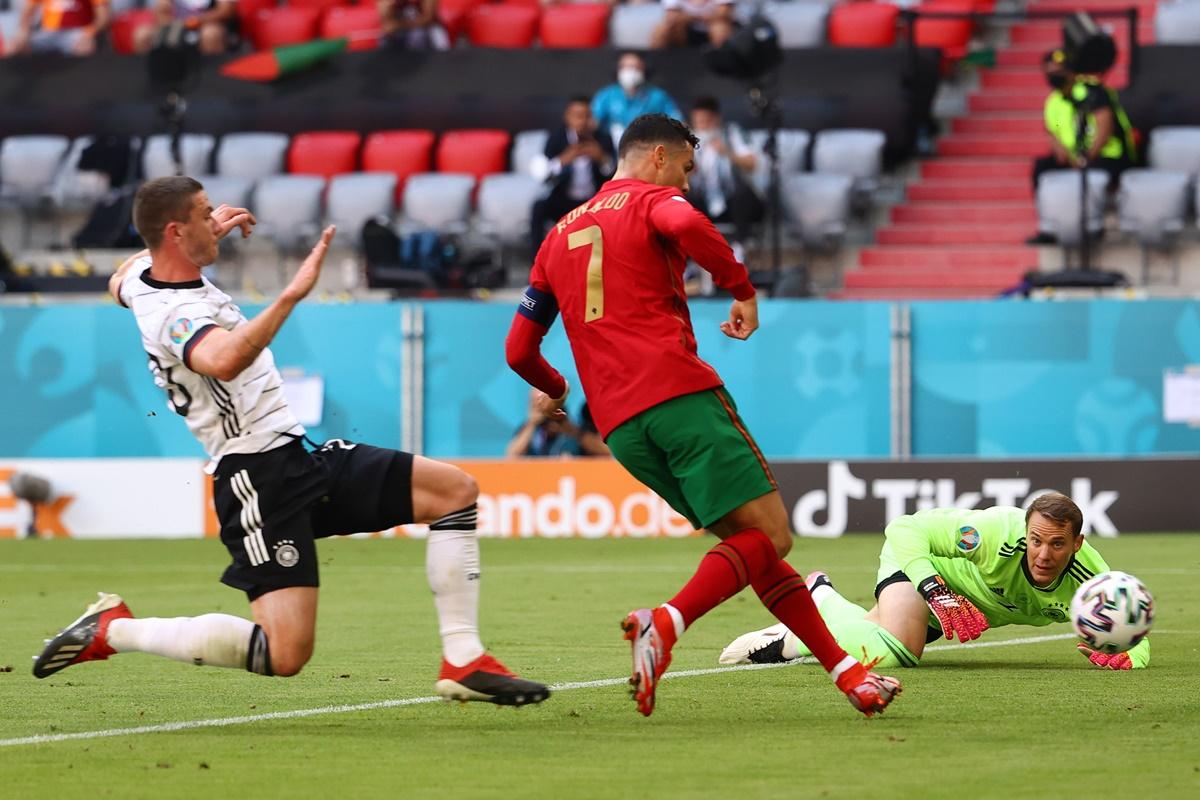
(210, 21)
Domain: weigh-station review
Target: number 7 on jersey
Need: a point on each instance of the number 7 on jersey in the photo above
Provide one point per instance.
(591, 235)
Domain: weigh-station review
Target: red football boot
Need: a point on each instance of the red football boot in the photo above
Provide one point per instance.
(85, 639)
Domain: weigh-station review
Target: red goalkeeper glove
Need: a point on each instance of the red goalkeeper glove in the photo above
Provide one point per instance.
(1104, 660)
(955, 613)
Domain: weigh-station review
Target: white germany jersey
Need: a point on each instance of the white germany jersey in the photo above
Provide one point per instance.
(248, 414)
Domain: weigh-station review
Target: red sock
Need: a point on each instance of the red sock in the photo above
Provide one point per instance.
(724, 571)
(784, 594)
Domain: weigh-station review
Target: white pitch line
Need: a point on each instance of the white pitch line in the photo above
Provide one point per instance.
(223, 722)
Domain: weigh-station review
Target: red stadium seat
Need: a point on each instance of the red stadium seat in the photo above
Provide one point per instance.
(951, 36)
(475, 152)
(324, 153)
(359, 24)
(247, 11)
(584, 25)
(321, 5)
(275, 27)
(530, 3)
(863, 25)
(510, 27)
(123, 28)
(453, 15)
(401, 153)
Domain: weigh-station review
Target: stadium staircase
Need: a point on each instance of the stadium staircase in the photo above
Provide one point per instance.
(960, 231)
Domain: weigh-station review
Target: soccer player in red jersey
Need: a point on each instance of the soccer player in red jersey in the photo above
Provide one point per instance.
(614, 268)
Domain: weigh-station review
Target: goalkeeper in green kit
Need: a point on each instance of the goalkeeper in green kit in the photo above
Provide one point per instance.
(955, 572)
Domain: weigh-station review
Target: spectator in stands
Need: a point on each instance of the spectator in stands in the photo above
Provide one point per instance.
(694, 23)
(1083, 105)
(620, 103)
(721, 184)
(542, 436)
(212, 20)
(412, 25)
(65, 26)
(578, 159)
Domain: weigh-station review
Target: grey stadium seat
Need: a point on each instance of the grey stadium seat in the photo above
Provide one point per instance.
(527, 146)
(222, 189)
(288, 208)
(1175, 147)
(850, 151)
(818, 206)
(195, 150)
(792, 146)
(1058, 196)
(800, 24)
(1151, 206)
(30, 165)
(77, 189)
(251, 155)
(1177, 23)
(505, 202)
(632, 25)
(439, 201)
(357, 197)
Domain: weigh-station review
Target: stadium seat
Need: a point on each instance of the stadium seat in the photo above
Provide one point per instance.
(276, 27)
(1177, 23)
(1151, 206)
(324, 153)
(123, 27)
(504, 205)
(818, 206)
(503, 26)
(321, 5)
(228, 190)
(453, 15)
(1058, 196)
(631, 26)
(850, 151)
(247, 11)
(437, 201)
(792, 147)
(475, 152)
(951, 36)
(1175, 147)
(359, 24)
(195, 151)
(401, 153)
(575, 25)
(77, 189)
(251, 155)
(800, 24)
(355, 198)
(528, 146)
(863, 25)
(29, 166)
(288, 208)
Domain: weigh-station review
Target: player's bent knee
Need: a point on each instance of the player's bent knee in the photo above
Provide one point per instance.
(288, 661)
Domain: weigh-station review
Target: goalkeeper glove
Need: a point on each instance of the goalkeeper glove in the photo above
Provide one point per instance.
(1104, 660)
(955, 613)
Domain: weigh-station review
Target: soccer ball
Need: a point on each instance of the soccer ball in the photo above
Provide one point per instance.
(1112, 612)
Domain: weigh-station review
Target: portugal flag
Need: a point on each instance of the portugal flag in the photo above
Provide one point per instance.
(269, 65)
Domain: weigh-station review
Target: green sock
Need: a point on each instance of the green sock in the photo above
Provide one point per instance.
(858, 636)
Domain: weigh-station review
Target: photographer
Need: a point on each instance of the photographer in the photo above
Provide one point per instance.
(212, 20)
(578, 159)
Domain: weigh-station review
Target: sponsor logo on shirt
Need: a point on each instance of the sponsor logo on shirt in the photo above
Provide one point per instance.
(1056, 612)
(181, 330)
(968, 539)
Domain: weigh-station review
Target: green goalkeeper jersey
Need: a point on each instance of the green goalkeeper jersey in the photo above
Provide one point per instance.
(981, 555)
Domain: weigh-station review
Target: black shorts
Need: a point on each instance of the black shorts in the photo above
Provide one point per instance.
(273, 506)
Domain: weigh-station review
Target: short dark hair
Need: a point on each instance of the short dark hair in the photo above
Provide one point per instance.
(1057, 507)
(652, 129)
(160, 202)
(579, 98)
(707, 103)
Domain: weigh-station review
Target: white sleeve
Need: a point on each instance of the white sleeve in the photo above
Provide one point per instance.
(131, 281)
(183, 325)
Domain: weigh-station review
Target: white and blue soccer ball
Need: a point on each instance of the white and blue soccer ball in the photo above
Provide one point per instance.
(1112, 612)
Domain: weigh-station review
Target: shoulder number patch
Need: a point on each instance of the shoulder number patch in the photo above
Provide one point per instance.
(968, 539)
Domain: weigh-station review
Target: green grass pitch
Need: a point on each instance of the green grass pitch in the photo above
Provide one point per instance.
(1028, 719)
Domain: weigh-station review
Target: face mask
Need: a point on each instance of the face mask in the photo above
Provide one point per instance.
(630, 78)
(1056, 80)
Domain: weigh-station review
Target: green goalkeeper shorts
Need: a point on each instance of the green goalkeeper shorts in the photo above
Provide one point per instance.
(694, 451)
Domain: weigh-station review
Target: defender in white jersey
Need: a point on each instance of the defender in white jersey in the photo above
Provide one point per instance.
(274, 497)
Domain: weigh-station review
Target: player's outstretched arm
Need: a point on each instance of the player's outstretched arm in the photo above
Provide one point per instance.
(223, 354)
(1137, 657)
(676, 218)
(229, 217)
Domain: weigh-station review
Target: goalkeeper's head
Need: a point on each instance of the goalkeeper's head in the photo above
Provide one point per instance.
(175, 218)
(1053, 534)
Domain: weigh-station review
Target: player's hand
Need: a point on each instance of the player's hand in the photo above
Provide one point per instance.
(229, 218)
(743, 319)
(551, 407)
(1104, 660)
(956, 614)
(306, 277)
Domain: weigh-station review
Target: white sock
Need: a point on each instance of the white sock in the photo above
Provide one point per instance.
(452, 566)
(215, 640)
(821, 593)
(677, 618)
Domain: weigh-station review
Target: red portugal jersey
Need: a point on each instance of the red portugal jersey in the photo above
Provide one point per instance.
(613, 268)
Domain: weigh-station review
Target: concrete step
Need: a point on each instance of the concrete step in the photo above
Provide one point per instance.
(1023, 214)
(973, 169)
(957, 232)
(994, 279)
(986, 124)
(991, 146)
(1013, 257)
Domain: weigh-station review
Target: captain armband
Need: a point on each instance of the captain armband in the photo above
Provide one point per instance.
(538, 306)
